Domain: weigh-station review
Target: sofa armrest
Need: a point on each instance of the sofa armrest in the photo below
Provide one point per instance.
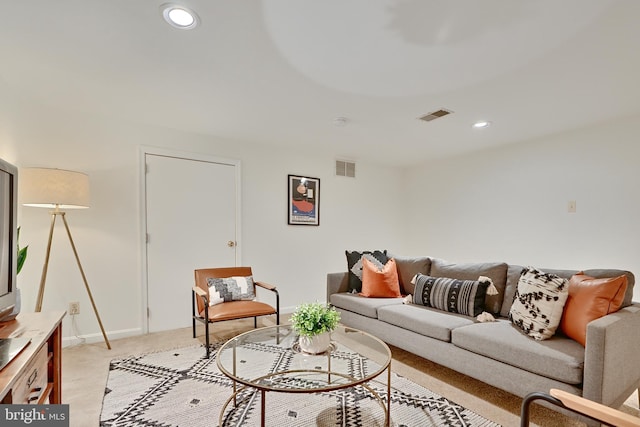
(336, 283)
(611, 367)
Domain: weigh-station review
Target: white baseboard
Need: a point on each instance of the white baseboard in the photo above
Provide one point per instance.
(287, 310)
(124, 333)
(95, 338)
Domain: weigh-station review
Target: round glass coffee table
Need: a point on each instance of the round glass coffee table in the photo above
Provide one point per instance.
(269, 359)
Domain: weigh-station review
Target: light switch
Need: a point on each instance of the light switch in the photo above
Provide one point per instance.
(572, 206)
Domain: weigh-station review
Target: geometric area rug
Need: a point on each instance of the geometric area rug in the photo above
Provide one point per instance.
(181, 387)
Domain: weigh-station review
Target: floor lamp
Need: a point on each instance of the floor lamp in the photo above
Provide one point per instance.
(57, 189)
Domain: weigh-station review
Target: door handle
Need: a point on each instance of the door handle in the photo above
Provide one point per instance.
(231, 243)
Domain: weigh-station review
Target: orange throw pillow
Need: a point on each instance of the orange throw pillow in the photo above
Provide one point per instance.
(380, 283)
(590, 299)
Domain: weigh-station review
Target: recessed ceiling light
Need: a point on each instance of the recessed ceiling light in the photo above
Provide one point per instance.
(481, 124)
(179, 16)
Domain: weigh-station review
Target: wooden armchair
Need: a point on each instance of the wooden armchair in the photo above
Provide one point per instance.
(231, 310)
(587, 408)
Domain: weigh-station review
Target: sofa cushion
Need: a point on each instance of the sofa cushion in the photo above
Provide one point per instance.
(361, 305)
(590, 299)
(496, 271)
(380, 283)
(354, 265)
(540, 299)
(423, 320)
(452, 295)
(408, 267)
(559, 358)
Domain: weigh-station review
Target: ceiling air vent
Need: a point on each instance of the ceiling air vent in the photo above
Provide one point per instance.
(345, 169)
(436, 115)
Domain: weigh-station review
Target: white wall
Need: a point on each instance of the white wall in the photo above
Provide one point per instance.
(510, 204)
(506, 204)
(356, 213)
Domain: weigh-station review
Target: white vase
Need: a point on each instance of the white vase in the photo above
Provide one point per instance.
(316, 344)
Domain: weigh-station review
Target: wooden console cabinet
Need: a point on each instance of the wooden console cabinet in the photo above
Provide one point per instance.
(35, 374)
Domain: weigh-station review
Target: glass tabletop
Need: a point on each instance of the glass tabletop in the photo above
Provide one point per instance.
(269, 359)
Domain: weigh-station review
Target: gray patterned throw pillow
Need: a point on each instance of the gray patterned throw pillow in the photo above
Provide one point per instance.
(236, 288)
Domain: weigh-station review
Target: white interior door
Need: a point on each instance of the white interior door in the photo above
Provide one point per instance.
(191, 223)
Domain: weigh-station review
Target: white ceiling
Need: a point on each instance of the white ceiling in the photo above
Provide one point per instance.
(279, 71)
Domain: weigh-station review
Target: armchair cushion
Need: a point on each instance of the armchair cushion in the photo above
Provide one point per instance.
(238, 310)
(236, 288)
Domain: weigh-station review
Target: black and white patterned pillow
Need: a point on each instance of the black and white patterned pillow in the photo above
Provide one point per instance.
(452, 295)
(538, 303)
(354, 265)
(236, 288)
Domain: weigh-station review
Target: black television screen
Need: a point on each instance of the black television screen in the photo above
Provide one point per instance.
(8, 236)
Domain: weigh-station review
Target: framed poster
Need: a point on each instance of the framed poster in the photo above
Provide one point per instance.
(303, 200)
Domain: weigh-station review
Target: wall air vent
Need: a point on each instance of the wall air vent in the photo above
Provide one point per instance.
(344, 168)
(436, 115)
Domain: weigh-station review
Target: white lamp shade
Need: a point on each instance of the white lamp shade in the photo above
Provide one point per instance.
(54, 188)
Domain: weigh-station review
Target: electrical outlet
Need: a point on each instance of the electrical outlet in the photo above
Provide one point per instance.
(74, 308)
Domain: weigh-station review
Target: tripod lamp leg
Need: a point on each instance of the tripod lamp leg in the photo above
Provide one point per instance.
(86, 284)
(45, 267)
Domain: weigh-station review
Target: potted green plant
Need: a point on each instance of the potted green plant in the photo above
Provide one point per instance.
(314, 322)
(22, 253)
(22, 256)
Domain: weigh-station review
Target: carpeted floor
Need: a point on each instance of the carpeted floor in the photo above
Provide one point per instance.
(182, 387)
(86, 368)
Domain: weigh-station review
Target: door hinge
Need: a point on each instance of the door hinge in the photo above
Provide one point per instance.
(148, 312)
(147, 238)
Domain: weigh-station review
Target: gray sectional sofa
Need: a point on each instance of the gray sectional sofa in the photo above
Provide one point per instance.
(607, 370)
